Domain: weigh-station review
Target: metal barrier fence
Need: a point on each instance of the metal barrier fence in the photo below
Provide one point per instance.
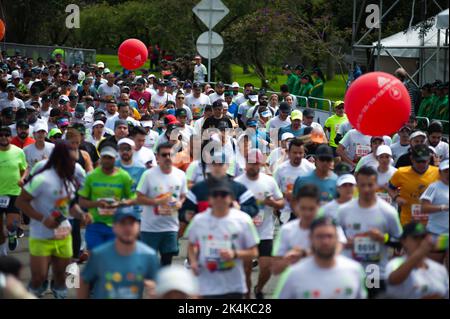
(71, 55)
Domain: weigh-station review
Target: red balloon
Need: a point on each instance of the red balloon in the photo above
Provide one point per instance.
(2, 29)
(132, 54)
(377, 103)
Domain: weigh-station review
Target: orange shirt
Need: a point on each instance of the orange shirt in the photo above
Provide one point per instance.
(21, 144)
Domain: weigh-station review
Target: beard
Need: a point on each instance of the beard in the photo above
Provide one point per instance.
(324, 254)
(126, 241)
(22, 135)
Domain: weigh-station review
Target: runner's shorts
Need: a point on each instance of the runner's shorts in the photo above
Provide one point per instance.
(61, 248)
(265, 248)
(164, 242)
(8, 204)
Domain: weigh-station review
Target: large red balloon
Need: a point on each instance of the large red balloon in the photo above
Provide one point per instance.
(132, 54)
(2, 29)
(377, 103)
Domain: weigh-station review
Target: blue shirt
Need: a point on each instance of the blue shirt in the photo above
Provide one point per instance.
(114, 276)
(233, 109)
(135, 171)
(327, 186)
(288, 129)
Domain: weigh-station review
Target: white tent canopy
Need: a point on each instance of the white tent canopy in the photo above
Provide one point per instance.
(442, 20)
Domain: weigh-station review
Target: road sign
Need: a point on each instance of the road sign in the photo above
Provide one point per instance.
(210, 12)
(210, 48)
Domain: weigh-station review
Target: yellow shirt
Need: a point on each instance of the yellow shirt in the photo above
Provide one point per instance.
(412, 185)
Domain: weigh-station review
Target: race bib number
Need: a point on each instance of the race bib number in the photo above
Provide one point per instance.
(258, 219)
(385, 196)
(417, 214)
(365, 249)
(4, 201)
(362, 150)
(63, 230)
(142, 102)
(213, 260)
(107, 211)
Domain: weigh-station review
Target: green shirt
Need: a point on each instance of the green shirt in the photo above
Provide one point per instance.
(317, 91)
(333, 123)
(98, 185)
(426, 106)
(304, 91)
(12, 162)
(441, 108)
(292, 78)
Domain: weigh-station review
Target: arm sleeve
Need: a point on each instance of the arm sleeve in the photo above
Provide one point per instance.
(247, 201)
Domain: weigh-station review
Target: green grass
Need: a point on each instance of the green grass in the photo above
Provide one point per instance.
(334, 89)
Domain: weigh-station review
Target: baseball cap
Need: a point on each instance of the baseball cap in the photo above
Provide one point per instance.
(176, 278)
(255, 156)
(152, 76)
(308, 112)
(180, 112)
(141, 81)
(376, 138)
(384, 149)
(170, 119)
(15, 74)
(220, 84)
(287, 136)
(197, 85)
(443, 165)
(98, 122)
(99, 111)
(416, 134)
(342, 168)
(63, 99)
(284, 107)
(8, 112)
(221, 185)
(126, 141)
(405, 128)
(147, 124)
(11, 87)
(234, 85)
(252, 122)
(62, 122)
(22, 123)
(54, 131)
(40, 126)
(299, 67)
(80, 108)
(100, 65)
(414, 229)
(120, 122)
(296, 115)
(124, 212)
(108, 151)
(421, 152)
(345, 179)
(187, 85)
(324, 151)
(253, 96)
(339, 104)
(5, 129)
(286, 67)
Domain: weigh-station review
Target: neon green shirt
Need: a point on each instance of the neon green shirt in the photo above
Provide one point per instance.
(333, 123)
(12, 162)
(98, 185)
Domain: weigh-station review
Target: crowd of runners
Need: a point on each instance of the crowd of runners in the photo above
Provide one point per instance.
(112, 171)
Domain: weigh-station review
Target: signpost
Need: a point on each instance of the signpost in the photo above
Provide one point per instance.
(210, 44)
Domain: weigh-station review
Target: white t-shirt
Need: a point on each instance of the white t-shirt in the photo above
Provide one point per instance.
(277, 123)
(243, 110)
(265, 186)
(383, 182)
(155, 183)
(235, 230)
(286, 174)
(442, 150)
(33, 155)
(105, 90)
(356, 144)
(356, 220)
(214, 97)
(197, 105)
(421, 282)
(330, 209)
(150, 139)
(398, 150)
(112, 121)
(291, 235)
(15, 104)
(369, 160)
(143, 156)
(344, 128)
(159, 101)
(194, 172)
(200, 72)
(307, 280)
(437, 194)
(49, 195)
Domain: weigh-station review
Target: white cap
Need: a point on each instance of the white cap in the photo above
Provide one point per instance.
(234, 85)
(152, 76)
(384, 149)
(40, 126)
(417, 133)
(98, 122)
(126, 141)
(178, 278)
(253, 98)
(100, 65)
(345, 179)
(65, 98)
(432, 149)
(443, 165)
(147, 124)
(286, 136)
(15, 74)
(106, 71)
(108, 151)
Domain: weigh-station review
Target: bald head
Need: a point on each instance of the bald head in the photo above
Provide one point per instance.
(400, 74)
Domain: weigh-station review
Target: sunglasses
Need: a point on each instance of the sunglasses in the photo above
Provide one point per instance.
(180, 98)
(222, 194)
